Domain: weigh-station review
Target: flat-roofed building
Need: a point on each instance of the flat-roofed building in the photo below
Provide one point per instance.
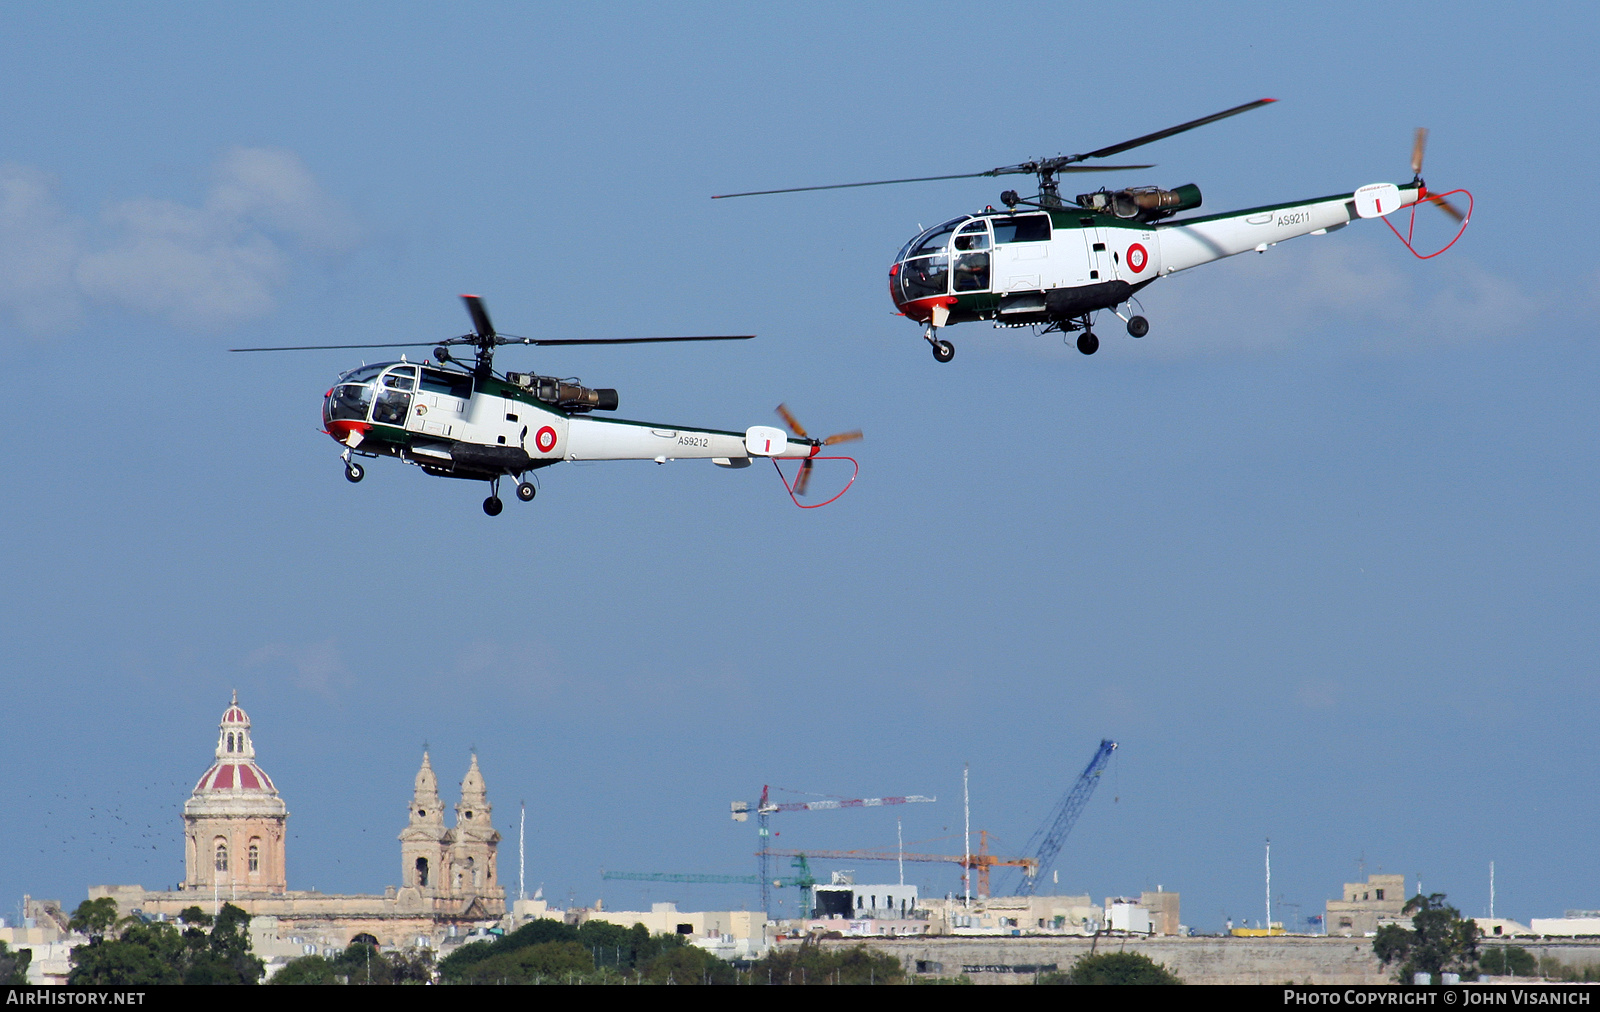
(1379, 899)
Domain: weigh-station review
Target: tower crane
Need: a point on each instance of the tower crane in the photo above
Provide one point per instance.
(766, 808)
(1053, 832)
(982, 860)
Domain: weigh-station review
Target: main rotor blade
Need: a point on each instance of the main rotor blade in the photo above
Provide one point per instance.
(846, 186)
(480, 316)
(1180, 128)
(618, 340)
(344, 347)
(1031, 168)
(928, 179)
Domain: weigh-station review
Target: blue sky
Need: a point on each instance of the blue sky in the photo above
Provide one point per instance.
(1319, 552)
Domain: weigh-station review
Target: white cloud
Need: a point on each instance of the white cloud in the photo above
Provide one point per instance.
(1354, 293)
(205, 267)
(318, 667)
(1364, 293)
(39, 248)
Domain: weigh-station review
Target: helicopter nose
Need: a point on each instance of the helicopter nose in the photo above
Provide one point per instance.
(348, 432)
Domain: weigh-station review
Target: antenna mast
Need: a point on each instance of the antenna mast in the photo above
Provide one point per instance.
(966, 837)
(1269, 885)
(522, 867)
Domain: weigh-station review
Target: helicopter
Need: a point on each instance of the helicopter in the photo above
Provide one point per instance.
(1051, 265)
(456, 421)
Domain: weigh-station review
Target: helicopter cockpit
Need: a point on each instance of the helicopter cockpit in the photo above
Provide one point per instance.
(382, 393)
(953, 258)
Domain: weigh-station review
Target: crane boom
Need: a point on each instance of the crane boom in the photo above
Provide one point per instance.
(766, 807)
(668, 876)
(1053, 833)
(830, 803)
(982, 860)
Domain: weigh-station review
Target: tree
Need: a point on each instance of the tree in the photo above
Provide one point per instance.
(1439, 941)
(1114, 968)
(94, 917)
(809, 963)
(14, 965)
(359, 964)
(156, 953)
(1508, 960)
(305, 970)
(687, 964)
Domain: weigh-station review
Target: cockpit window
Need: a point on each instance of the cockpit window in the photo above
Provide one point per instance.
(1022, 228)
(933, 240)
(402, 379)
(350, 400)
(453, 384)
(974, 235)
(365, 374)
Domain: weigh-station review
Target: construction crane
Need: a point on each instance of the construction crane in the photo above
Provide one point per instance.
(982, 861)
(670, 876)
(804, 880)
(1053, 832)
(766, 807)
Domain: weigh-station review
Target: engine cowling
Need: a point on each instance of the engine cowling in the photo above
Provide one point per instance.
(563, 394)
(1145, 203)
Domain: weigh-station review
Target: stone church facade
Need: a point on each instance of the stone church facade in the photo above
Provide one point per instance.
(235, 828)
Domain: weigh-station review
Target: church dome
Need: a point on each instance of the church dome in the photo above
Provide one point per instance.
(234, 782)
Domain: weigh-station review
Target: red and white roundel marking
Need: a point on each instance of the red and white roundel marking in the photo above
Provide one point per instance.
(1138, 258)
(545, 439)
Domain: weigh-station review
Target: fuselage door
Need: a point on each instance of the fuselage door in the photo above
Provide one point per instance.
(1021, 252)
(972, 245)
(442, 402)
(392, 405)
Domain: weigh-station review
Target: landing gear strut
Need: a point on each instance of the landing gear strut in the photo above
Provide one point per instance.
(943, 351)
(353, 472)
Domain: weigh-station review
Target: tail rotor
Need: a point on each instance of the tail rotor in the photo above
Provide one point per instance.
(804, 478)
(1418, 146)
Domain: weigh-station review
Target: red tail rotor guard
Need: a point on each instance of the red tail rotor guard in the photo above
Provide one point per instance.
(817, 505)
(1411, 226)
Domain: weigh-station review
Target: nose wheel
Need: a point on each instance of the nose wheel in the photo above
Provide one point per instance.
(943, 351)
(354, 472)
(526, 492)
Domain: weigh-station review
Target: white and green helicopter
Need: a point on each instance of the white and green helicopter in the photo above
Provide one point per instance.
(1051, 265)
(453, 421)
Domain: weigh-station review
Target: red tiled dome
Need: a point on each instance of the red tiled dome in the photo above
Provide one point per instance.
(234, 715)
(235, 775)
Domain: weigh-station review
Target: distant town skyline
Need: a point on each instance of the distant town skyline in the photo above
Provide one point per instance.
(1318, 551)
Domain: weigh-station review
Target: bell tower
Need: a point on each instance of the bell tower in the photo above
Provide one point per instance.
(234, 822)
(425, 842)
(475, 876)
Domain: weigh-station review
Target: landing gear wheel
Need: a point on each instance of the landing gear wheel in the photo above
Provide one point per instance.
(493, 506)
(526, 492)
(1088, 343)
(943, 351)
(1138, 326)
(354, 472)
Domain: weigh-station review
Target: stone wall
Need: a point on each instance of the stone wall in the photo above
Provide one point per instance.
(1211, 960)
(1315, 960)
